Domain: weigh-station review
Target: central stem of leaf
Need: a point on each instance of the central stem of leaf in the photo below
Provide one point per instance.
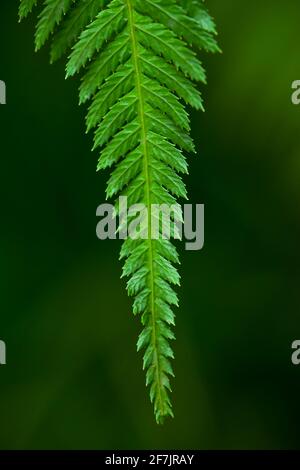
(147, 172)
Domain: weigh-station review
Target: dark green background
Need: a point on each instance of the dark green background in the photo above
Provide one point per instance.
(73, 379)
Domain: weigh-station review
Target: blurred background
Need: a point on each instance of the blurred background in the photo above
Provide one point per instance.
(73, 379)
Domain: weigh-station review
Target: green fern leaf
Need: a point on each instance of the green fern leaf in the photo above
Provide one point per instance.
(79, 17)
(196, 10)
(51, 15)
(115, 53)
(91, 40)
(174, 17)
(162, 71)
(26, 7)
(115, 87)
(164, 42)
(140, 67)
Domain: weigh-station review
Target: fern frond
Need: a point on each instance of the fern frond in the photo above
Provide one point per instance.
(173, 16)
(162, 71)
(140, 68)
(196, 10)
(164, 42)
(79, 17)
(49, 18)
(109, 21)
(26, 7)
(115, 53)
